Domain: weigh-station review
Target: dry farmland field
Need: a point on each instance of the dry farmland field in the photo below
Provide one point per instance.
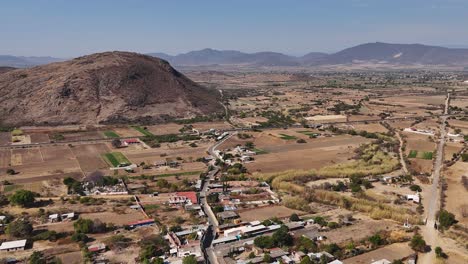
(89, 156)
(282, 153)
(267, 212)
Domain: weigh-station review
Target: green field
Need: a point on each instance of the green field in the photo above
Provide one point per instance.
(259, 151)
(116, 158)
(187, 173)
(111, 134)
(287, 137)
(412, 154)
(142, 130)
(308, 133)
(11, 187)
(427, 155)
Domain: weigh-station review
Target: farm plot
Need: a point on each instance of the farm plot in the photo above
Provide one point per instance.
(110, 134)
(5, 138)
(311, 155)
(427, 155)
(56, 160)
(457, 188)
(39, 138)
(287, 137)
(115, 218)
(451, 148)
(165, 129)
(372, 127)
(5, 158)
(267, 212)
(205, 126)
(419, 143)
(26, 156)
(76, 136)
(127, 132)
(89, 156)
(143, 131)
(115, 158)
(391, 252)
(167, 151)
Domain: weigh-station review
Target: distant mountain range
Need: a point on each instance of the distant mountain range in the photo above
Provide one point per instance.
(382, 53)
(24, 62)
(377, 53)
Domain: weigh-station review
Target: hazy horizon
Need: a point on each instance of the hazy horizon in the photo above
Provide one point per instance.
(67, 29)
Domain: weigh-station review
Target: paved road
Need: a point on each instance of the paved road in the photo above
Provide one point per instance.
(212, 220)
(428, 231)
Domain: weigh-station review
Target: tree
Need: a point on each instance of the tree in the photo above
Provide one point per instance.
(417, 243)
(37, 258)
(20, 228)
(446, 219)
(281, 237)
(84, 226)
(153, 246)
(116, 143)
(23, 198)
(306, 260)
(294, 217)
(189, 260)
(267, 258)
(264, 242)
(305, 244)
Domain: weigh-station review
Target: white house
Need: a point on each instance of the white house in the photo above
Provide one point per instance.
(13, 245)
(413, 197)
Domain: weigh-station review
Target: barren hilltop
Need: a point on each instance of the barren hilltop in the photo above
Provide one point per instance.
(110, 87)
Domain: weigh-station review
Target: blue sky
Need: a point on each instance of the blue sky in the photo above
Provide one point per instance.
(70, 28)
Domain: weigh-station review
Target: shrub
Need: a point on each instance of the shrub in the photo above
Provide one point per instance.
(376, 240)
(415, 188)
(446, 219)
(189, 260)
(417, 243)
(294, 217)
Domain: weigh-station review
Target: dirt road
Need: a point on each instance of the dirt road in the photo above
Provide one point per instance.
(431, 235)
(402, 159)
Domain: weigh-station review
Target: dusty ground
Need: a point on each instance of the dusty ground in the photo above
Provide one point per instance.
(456, 191)
(89, 156)
(392, 252)
(286, 154)
(267, 212)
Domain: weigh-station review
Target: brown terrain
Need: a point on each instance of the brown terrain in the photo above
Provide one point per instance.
(110, 87)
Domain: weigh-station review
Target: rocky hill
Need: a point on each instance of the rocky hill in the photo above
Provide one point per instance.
(110, 87)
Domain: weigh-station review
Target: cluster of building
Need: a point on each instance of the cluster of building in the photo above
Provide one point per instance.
(185, 243)
(90, 188)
